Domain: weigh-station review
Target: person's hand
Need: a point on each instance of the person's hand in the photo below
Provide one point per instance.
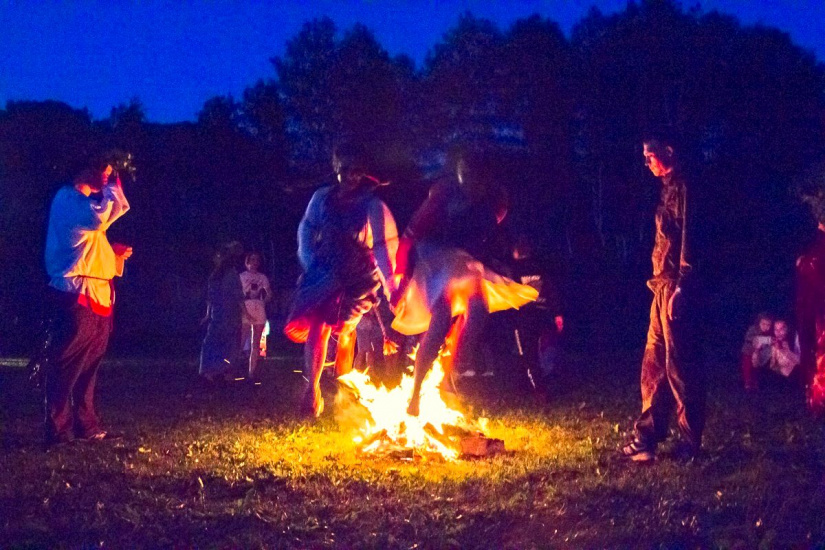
(674, 304)
(559, 323)
(122, 251)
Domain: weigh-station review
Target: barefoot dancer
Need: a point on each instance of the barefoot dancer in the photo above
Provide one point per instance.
(347, 242)
(448, 232)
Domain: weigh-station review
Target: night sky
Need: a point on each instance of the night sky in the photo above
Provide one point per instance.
(175, 55)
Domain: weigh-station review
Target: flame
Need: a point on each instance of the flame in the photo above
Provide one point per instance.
(387, 427)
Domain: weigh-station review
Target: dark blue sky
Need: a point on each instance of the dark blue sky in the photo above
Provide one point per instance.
(174, 55)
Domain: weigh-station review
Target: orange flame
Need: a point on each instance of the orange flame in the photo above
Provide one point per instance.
(388, 427)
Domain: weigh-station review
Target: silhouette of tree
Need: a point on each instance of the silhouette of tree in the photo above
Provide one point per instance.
(565, 116)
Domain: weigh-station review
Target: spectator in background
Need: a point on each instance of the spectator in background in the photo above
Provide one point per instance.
(81, 265)
(539, 325)
(257, 293)
(778, 354)
(225, 313)
(758, 333)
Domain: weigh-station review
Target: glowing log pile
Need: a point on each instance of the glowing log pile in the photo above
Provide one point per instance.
(385, 428)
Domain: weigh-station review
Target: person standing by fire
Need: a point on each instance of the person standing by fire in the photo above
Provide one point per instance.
(668, 375)
(81, 264)
(443, 274)
(347, 242)
(810, 300)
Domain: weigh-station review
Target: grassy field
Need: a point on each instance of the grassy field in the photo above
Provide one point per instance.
(235, 468)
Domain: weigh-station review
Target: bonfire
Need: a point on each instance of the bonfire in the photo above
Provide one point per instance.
(384, 428)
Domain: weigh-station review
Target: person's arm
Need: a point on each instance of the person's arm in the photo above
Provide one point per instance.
(308, 229)
(686, 259)
(785, 357)
(267, 289)
(384, 241)
(429, 215)
(111, 206)
(424, 220)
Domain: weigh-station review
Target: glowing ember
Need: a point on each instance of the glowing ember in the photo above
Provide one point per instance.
(387, 428)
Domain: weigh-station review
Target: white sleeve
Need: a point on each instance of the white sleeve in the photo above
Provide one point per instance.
(384, 240)
(111, 206)
(307, 229)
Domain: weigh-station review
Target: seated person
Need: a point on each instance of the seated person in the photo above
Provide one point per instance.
(758, 333)
(781, 355)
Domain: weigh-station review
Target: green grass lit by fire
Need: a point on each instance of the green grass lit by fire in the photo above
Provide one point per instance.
(237, 469)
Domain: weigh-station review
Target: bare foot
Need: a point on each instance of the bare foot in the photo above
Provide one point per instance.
(313, 403)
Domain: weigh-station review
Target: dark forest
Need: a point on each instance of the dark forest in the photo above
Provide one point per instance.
(567, 114)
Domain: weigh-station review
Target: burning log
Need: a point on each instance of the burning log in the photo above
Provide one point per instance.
(444, 439)
(378, 436)
(386, 429)
(480, 446)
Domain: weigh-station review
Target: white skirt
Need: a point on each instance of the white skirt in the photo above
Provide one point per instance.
(446, 272)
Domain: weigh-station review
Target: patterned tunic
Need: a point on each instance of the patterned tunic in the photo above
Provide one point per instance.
(346, 245)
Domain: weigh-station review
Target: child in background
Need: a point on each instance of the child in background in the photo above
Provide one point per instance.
(256, 293)
(758, 334)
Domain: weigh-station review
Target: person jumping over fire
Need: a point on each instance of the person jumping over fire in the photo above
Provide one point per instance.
(347, 242)
(443, 275)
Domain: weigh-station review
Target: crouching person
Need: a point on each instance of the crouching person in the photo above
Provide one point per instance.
(81, 264)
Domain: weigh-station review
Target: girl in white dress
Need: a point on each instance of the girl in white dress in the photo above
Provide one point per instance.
(256, 293)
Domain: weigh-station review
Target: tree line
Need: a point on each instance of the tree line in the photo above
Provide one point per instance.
(568, 113)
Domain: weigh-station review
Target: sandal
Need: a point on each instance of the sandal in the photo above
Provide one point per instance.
(637, 451)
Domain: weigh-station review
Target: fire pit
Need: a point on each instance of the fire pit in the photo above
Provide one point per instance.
(385, 429)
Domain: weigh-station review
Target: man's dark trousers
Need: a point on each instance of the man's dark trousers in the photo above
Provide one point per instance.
(671, 372)
(79, 342)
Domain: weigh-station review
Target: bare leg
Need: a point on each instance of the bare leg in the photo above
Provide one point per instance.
(255, 350)
(428, 350)
(345, 353)
(315, 353)
(467, 340)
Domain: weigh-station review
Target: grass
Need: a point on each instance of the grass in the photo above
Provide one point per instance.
(236, 468)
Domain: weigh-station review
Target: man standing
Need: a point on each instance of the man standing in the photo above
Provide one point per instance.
(668, 377)
(810, 300)
(81, 265)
